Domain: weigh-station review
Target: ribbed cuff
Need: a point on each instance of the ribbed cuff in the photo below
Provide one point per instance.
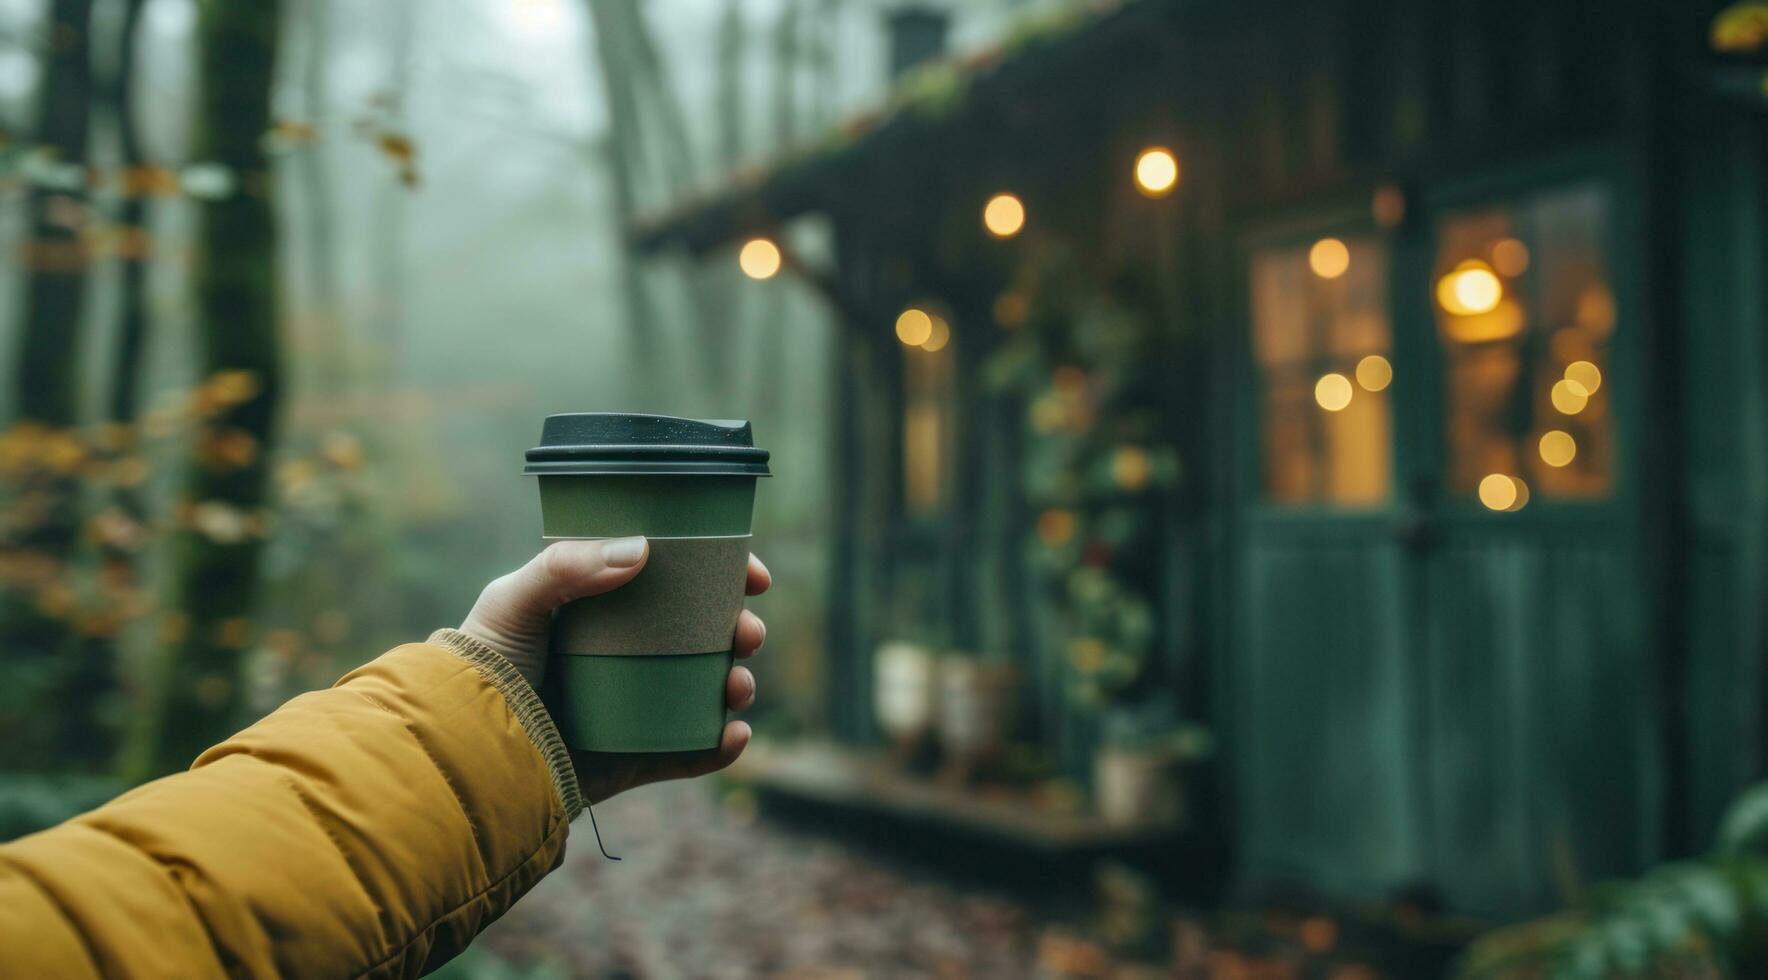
(528, 709)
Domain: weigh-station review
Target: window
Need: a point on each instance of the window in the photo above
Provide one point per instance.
(1321, 343)
(1525, 313)
(927, 427)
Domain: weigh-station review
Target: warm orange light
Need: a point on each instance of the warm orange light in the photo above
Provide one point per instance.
(1501, 322)
(1157, 171)
(1584, 374)
(1569, 397)
(1374, 373)
(1333, 392)
(1499, 492)
(1329, 258)
(914, 327)
(1558, 448)
(1003, 215)
(939, 336)
(759, 258)
(1510, 257)
(1471, 289)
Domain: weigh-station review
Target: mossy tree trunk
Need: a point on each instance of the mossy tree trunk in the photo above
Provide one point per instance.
(41, 530)
(216, 555)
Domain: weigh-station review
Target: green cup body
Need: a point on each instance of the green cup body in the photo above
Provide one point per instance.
(643, 668)
(659, 506)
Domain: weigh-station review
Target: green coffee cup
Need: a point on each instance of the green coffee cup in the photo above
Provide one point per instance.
(642, 668)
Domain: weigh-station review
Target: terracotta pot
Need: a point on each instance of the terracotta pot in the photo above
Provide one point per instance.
(976, 702)
(1137, 787)
(905, 690)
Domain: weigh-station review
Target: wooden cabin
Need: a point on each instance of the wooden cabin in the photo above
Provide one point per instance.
(1462, 315)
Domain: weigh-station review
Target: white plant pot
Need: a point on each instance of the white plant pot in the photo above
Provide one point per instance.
(1137, 787)
(905, 690)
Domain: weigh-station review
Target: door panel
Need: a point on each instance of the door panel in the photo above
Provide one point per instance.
(1536, 676)
(1325, 719)
(1535, 767)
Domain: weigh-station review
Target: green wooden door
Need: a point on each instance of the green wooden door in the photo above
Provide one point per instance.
(1442, 669)
(1323, 714)
(1539, 758)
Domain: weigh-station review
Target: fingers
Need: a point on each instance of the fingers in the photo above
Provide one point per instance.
(566, 570)
(739, 689)
(687, 765)
(759, 577)
(730, 745)
(751, 634)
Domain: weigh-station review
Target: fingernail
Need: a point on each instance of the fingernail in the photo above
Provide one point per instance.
(623, 552)
(749, 701)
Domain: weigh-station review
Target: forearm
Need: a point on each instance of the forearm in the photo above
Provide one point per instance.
(373, 828)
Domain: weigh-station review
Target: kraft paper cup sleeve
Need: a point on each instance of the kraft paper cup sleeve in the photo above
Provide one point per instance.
(685, 600)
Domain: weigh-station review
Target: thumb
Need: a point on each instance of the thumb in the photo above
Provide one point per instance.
(566, 570)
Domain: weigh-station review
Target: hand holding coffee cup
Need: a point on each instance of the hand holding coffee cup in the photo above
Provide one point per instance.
(514, 616)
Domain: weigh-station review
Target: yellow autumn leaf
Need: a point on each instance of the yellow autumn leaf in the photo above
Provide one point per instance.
(1741, 28)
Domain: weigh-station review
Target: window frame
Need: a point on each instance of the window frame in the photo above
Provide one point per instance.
(1349, 217)
(1618, 173)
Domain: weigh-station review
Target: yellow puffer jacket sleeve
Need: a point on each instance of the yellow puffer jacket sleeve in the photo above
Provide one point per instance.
(372, 829)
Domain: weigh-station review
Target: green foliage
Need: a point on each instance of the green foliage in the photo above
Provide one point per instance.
(1085, 368)
(1701, 918)
(1745, 825)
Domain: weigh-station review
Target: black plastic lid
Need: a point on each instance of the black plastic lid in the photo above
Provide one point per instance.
(618, 442)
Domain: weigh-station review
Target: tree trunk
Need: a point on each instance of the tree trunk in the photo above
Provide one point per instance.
(215, 560)
(623, 149)
(46, 379)
(89, 692)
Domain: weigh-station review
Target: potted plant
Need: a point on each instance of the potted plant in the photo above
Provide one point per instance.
(905, 692)
(976, 710)
(1139, 766)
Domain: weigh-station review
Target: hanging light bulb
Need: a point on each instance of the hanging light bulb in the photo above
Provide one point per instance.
(759, 258)
(1003, 215)
(1157, 171)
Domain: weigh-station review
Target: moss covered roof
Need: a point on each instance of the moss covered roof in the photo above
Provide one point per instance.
(930, 104)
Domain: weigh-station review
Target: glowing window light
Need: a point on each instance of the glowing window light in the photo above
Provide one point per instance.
(1510, 257)
(1003, 215)
(759, 258)
(1585, 375)
(1329, 258)
(914, 327)
(1569, 397)
(1499, 491)
(1471, 289)
(1558, 448)
(939, 335)
(1374, 373)
(1333, 392)
(1157, 171)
